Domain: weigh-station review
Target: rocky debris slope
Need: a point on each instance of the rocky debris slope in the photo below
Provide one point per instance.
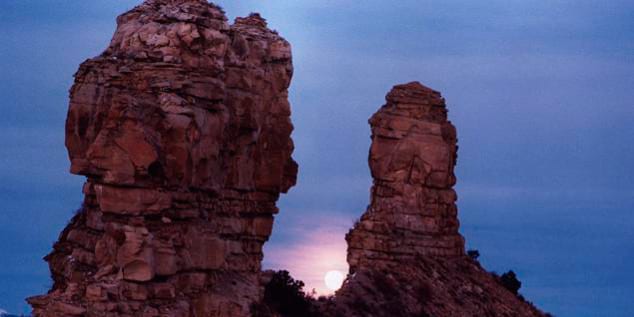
(182, 128)
(405, 254)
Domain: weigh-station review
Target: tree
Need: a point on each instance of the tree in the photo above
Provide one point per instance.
(286, 296)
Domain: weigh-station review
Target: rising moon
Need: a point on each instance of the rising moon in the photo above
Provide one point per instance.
(333, 280)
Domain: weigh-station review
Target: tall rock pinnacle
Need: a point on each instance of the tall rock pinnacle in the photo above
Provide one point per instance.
(406, 256)
(182, 128)
(412, 211)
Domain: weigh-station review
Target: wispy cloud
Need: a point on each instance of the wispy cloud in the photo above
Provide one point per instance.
(570, 196)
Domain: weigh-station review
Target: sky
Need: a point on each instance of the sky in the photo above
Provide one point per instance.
(541, 93)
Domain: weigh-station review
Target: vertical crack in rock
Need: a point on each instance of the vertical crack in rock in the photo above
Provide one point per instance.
(182, 128)
(406, 255)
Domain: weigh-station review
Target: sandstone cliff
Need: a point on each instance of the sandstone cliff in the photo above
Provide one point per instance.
(182, 128)
(405, 254)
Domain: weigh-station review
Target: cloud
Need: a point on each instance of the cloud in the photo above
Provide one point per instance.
(572, 196)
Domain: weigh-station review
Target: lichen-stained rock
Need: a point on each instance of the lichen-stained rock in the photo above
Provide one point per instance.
(182, 128)
(405, 254)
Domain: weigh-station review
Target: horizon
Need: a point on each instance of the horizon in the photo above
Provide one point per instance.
(540, 95)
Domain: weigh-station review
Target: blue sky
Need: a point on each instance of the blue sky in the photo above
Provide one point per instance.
(541, 93)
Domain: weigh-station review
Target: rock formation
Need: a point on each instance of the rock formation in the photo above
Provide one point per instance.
(182, 128)
(412, 210)
(405, 254)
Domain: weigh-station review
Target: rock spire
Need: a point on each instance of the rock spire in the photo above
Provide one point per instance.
(406, 256)
(182, 128)
(412, 210)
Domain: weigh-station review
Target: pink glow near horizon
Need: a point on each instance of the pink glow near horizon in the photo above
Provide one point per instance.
(320, 247)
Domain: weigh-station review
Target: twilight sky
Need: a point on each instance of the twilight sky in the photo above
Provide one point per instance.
(542, 94)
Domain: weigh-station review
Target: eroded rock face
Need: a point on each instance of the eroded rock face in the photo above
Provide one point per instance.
(405, 254)
(412, 210)
(182, 128)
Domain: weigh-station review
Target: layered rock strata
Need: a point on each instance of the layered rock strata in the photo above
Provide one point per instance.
(413, 206)
(182, 128)
(405, 254)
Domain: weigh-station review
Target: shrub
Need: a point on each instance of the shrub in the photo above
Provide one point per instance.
(510, 282)
(286, 296)
(474, 254)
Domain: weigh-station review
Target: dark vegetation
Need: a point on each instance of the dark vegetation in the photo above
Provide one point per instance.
(510, 282)
(473, 254)
(285, 296)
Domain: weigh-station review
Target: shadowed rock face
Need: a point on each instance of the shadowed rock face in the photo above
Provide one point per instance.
(406, 256)
(412, 210)
(182, 128)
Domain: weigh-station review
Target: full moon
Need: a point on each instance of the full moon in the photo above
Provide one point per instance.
(333, 280)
